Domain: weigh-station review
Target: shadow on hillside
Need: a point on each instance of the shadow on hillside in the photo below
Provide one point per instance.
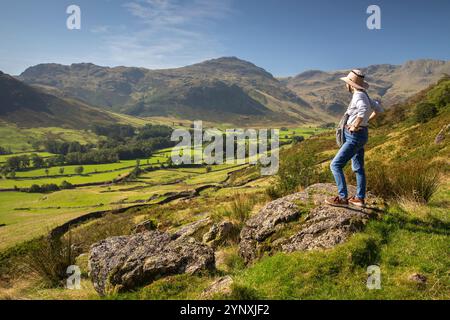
(434, 226)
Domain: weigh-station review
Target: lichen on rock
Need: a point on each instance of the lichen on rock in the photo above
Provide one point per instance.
(323, 226)
(126, 262)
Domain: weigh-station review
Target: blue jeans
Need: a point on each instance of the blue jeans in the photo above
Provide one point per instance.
(353, 148)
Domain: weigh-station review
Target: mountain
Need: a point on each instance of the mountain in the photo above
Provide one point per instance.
(222, 90)
(392, 83)
(228, 90)
(26, 106)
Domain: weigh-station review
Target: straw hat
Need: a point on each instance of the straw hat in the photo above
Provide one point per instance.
(356, 79)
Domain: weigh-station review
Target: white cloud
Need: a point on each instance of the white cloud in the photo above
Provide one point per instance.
(167, 33)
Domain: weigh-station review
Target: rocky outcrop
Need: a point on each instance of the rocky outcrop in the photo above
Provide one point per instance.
(220, 233)
(325, 227)
(301, 221)
(265, 223)
(418, 278)
(126, 262)
(220, 287)
(440, 137)
(147, 225)
(192, 228)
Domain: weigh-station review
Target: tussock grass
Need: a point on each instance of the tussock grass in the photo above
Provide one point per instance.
(177, 287)
(49, 259)
(239, 208)
(109, 226)
(414, 181)
(400, 243)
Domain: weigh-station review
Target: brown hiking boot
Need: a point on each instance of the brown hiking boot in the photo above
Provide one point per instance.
(337, 202)
(355, 201)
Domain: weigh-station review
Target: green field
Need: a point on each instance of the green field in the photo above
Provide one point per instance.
(305, 132)
(89, 169)
(4, 158)
(106, 177)
(29, 215)
(21, 211)
(21, 139)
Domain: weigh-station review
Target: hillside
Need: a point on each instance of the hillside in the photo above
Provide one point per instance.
(225, 234)
(29, 107)
(393, 83)
(228, 90)
(221, 90)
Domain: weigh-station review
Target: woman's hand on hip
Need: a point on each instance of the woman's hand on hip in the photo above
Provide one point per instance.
(353, 129)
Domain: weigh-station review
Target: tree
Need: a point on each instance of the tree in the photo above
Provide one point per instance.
(297, 139)
(425, 112)
(37, 161)
(328, 125)
(61, 171)
(296, 170)
(13, 163)
(34, 189)
(4, 151)
(66, 185)
(79, 170)
(47, 172)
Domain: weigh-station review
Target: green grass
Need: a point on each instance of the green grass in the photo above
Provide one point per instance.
(30, 215)
(89, 169)
(341, 273)
(92, 173)
(4, 158)
(407, 239)
(301, 131)
(178, 287)
(164, 176)
(404, 241)
(27, 216)
(20, 139)
(75, 180)
(217, 176)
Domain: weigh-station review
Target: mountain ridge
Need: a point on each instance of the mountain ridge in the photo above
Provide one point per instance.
(392, 83)
(224, 89)
(228, 89)
(28, 106)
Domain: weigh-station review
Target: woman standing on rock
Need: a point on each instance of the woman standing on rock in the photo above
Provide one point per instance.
(360, 111)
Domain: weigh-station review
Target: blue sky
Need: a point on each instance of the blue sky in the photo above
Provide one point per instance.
(284, 37)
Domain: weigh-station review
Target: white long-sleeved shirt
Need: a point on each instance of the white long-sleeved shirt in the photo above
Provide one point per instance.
(362, 106)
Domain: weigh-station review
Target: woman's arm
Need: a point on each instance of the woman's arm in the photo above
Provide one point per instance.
(355, 124)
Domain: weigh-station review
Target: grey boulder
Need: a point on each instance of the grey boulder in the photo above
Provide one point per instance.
(220, 233)
(300, 221)
(122, 263)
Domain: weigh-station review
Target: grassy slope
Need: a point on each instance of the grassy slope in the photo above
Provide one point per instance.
(408, 238)
(76, 180)
(30, 215)
(20, 139)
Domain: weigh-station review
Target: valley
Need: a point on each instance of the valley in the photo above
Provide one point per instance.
(99, 187)
(104, 169)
